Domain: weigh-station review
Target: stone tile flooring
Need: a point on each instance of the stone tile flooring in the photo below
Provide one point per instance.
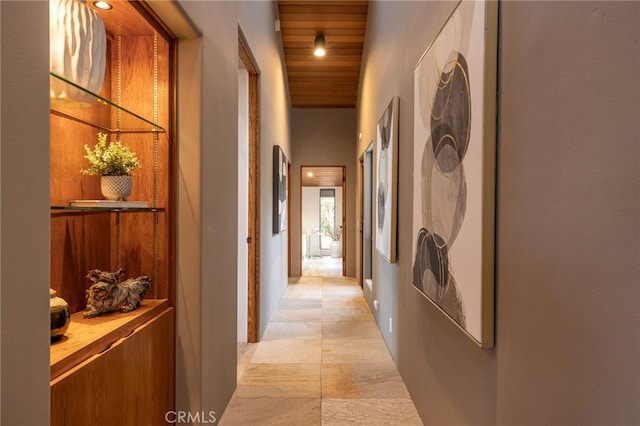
(325, 266)
(322, 361)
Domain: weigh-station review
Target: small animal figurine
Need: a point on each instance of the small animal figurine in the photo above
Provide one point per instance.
(105, 295)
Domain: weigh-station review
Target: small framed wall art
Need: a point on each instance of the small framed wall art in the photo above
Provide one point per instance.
(279, 190)
(387, 180)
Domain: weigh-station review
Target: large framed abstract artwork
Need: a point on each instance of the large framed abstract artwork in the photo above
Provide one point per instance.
(387, 172)
(454, 169)
(279, 190)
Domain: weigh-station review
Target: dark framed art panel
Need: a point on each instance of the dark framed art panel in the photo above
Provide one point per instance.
(454, 169)
(386, 154)
(279, 190)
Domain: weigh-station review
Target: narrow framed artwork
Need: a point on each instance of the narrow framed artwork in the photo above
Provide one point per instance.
(279, 190)
(454, 169)
(387, 175)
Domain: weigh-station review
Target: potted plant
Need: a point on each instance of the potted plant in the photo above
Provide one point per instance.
(336, 243)
(114, 162)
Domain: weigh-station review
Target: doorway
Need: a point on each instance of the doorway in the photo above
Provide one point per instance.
(322, 219)
(248, 196)
(243, 201)
(366, 211)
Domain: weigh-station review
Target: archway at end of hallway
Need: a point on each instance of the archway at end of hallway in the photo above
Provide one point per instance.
(323, 220)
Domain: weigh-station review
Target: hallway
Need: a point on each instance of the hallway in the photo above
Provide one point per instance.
(322, 360)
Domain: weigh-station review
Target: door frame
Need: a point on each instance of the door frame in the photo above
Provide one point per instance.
(253, 239)
(361, 220)
(366, 159)
(343, 219)
(289, 218)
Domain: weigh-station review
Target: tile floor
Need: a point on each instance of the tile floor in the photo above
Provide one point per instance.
(325, 266)
(322, 361)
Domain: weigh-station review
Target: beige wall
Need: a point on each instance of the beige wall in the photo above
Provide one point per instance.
(323, 137)
(208, 204)
(24, 213)
(569, 214)
(257, 18)
(567, 318)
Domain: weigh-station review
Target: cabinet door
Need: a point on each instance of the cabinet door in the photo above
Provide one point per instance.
(131, 383)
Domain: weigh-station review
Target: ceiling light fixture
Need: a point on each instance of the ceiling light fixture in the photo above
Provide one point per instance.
(102, 5)
(318, 46)
(310, 174)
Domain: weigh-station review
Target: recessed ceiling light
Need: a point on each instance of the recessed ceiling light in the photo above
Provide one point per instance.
(310, 174)
(102, 5)
(318, 46)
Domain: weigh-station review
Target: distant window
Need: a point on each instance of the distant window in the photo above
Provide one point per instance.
(327, 215)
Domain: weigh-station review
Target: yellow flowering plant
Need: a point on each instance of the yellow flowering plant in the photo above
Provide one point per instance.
(110, 159)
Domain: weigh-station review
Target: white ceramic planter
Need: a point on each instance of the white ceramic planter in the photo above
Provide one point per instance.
(115, 187)
(336, 248)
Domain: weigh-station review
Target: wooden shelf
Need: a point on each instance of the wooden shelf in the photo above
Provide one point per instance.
(88, 337)
(107, 209)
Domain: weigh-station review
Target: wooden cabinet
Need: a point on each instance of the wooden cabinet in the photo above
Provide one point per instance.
(117, 368)
(124, 385)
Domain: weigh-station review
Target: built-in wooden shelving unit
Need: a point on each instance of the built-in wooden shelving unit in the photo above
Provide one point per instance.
(129, 353)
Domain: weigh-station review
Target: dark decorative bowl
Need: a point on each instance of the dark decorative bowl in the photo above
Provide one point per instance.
(60, 316)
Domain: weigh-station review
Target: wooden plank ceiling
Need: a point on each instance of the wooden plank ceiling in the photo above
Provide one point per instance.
(322, 176)
(330, 81)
